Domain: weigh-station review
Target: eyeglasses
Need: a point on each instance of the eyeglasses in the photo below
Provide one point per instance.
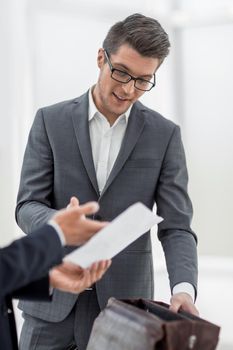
(123, 77)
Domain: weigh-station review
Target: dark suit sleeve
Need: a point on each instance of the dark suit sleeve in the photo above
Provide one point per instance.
(29, 259)
(37, 290)
(34, 207)
(173, 204)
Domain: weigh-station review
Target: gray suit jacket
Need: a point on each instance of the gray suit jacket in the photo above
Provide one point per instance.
(150, 168)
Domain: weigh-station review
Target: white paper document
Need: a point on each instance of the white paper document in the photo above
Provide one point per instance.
(122, 231)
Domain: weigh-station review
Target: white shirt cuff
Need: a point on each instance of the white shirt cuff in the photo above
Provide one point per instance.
(184, 287)
(51, 291)
(59, 231)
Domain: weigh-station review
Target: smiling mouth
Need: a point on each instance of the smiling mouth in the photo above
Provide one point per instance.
(120, 98)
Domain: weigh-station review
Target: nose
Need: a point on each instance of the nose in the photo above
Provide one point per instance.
(128, 87)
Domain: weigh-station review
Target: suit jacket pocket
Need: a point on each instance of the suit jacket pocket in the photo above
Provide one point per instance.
(143, 163)
(138, 251)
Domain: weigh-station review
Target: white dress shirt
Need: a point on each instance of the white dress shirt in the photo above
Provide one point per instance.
(106, 141)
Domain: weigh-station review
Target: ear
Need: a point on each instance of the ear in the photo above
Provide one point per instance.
(100, 58)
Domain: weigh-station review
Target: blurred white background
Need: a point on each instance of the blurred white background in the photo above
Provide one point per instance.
(48, 54)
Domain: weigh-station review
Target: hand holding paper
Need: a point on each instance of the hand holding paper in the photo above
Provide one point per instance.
(122, 231)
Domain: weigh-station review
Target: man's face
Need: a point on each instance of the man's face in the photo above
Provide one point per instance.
(113, 98)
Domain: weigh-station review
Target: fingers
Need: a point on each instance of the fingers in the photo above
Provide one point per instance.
(74, 202)
(93, 226)
(70, 268)
(191, 308)
(98, 269)
(85, 209)
(72, 278)
(175, 306)
(74, 224)
(183, 301)
(89, 208)
(94, 273)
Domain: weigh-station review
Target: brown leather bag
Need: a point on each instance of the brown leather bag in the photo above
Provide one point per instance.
(140, 324)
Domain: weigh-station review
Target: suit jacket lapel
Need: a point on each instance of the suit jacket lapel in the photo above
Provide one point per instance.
(81, 127)
(134, 129)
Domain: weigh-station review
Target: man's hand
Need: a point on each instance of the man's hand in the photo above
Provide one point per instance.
(72, 278)
(76, 227)
(184, 302)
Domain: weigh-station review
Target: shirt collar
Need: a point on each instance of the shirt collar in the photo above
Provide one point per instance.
(92, 110)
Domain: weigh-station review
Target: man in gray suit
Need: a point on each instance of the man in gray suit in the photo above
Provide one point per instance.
(107, 146)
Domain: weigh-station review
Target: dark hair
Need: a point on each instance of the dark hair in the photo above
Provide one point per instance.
(143, 34)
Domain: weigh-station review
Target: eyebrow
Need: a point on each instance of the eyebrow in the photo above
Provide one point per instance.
(148, 76)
